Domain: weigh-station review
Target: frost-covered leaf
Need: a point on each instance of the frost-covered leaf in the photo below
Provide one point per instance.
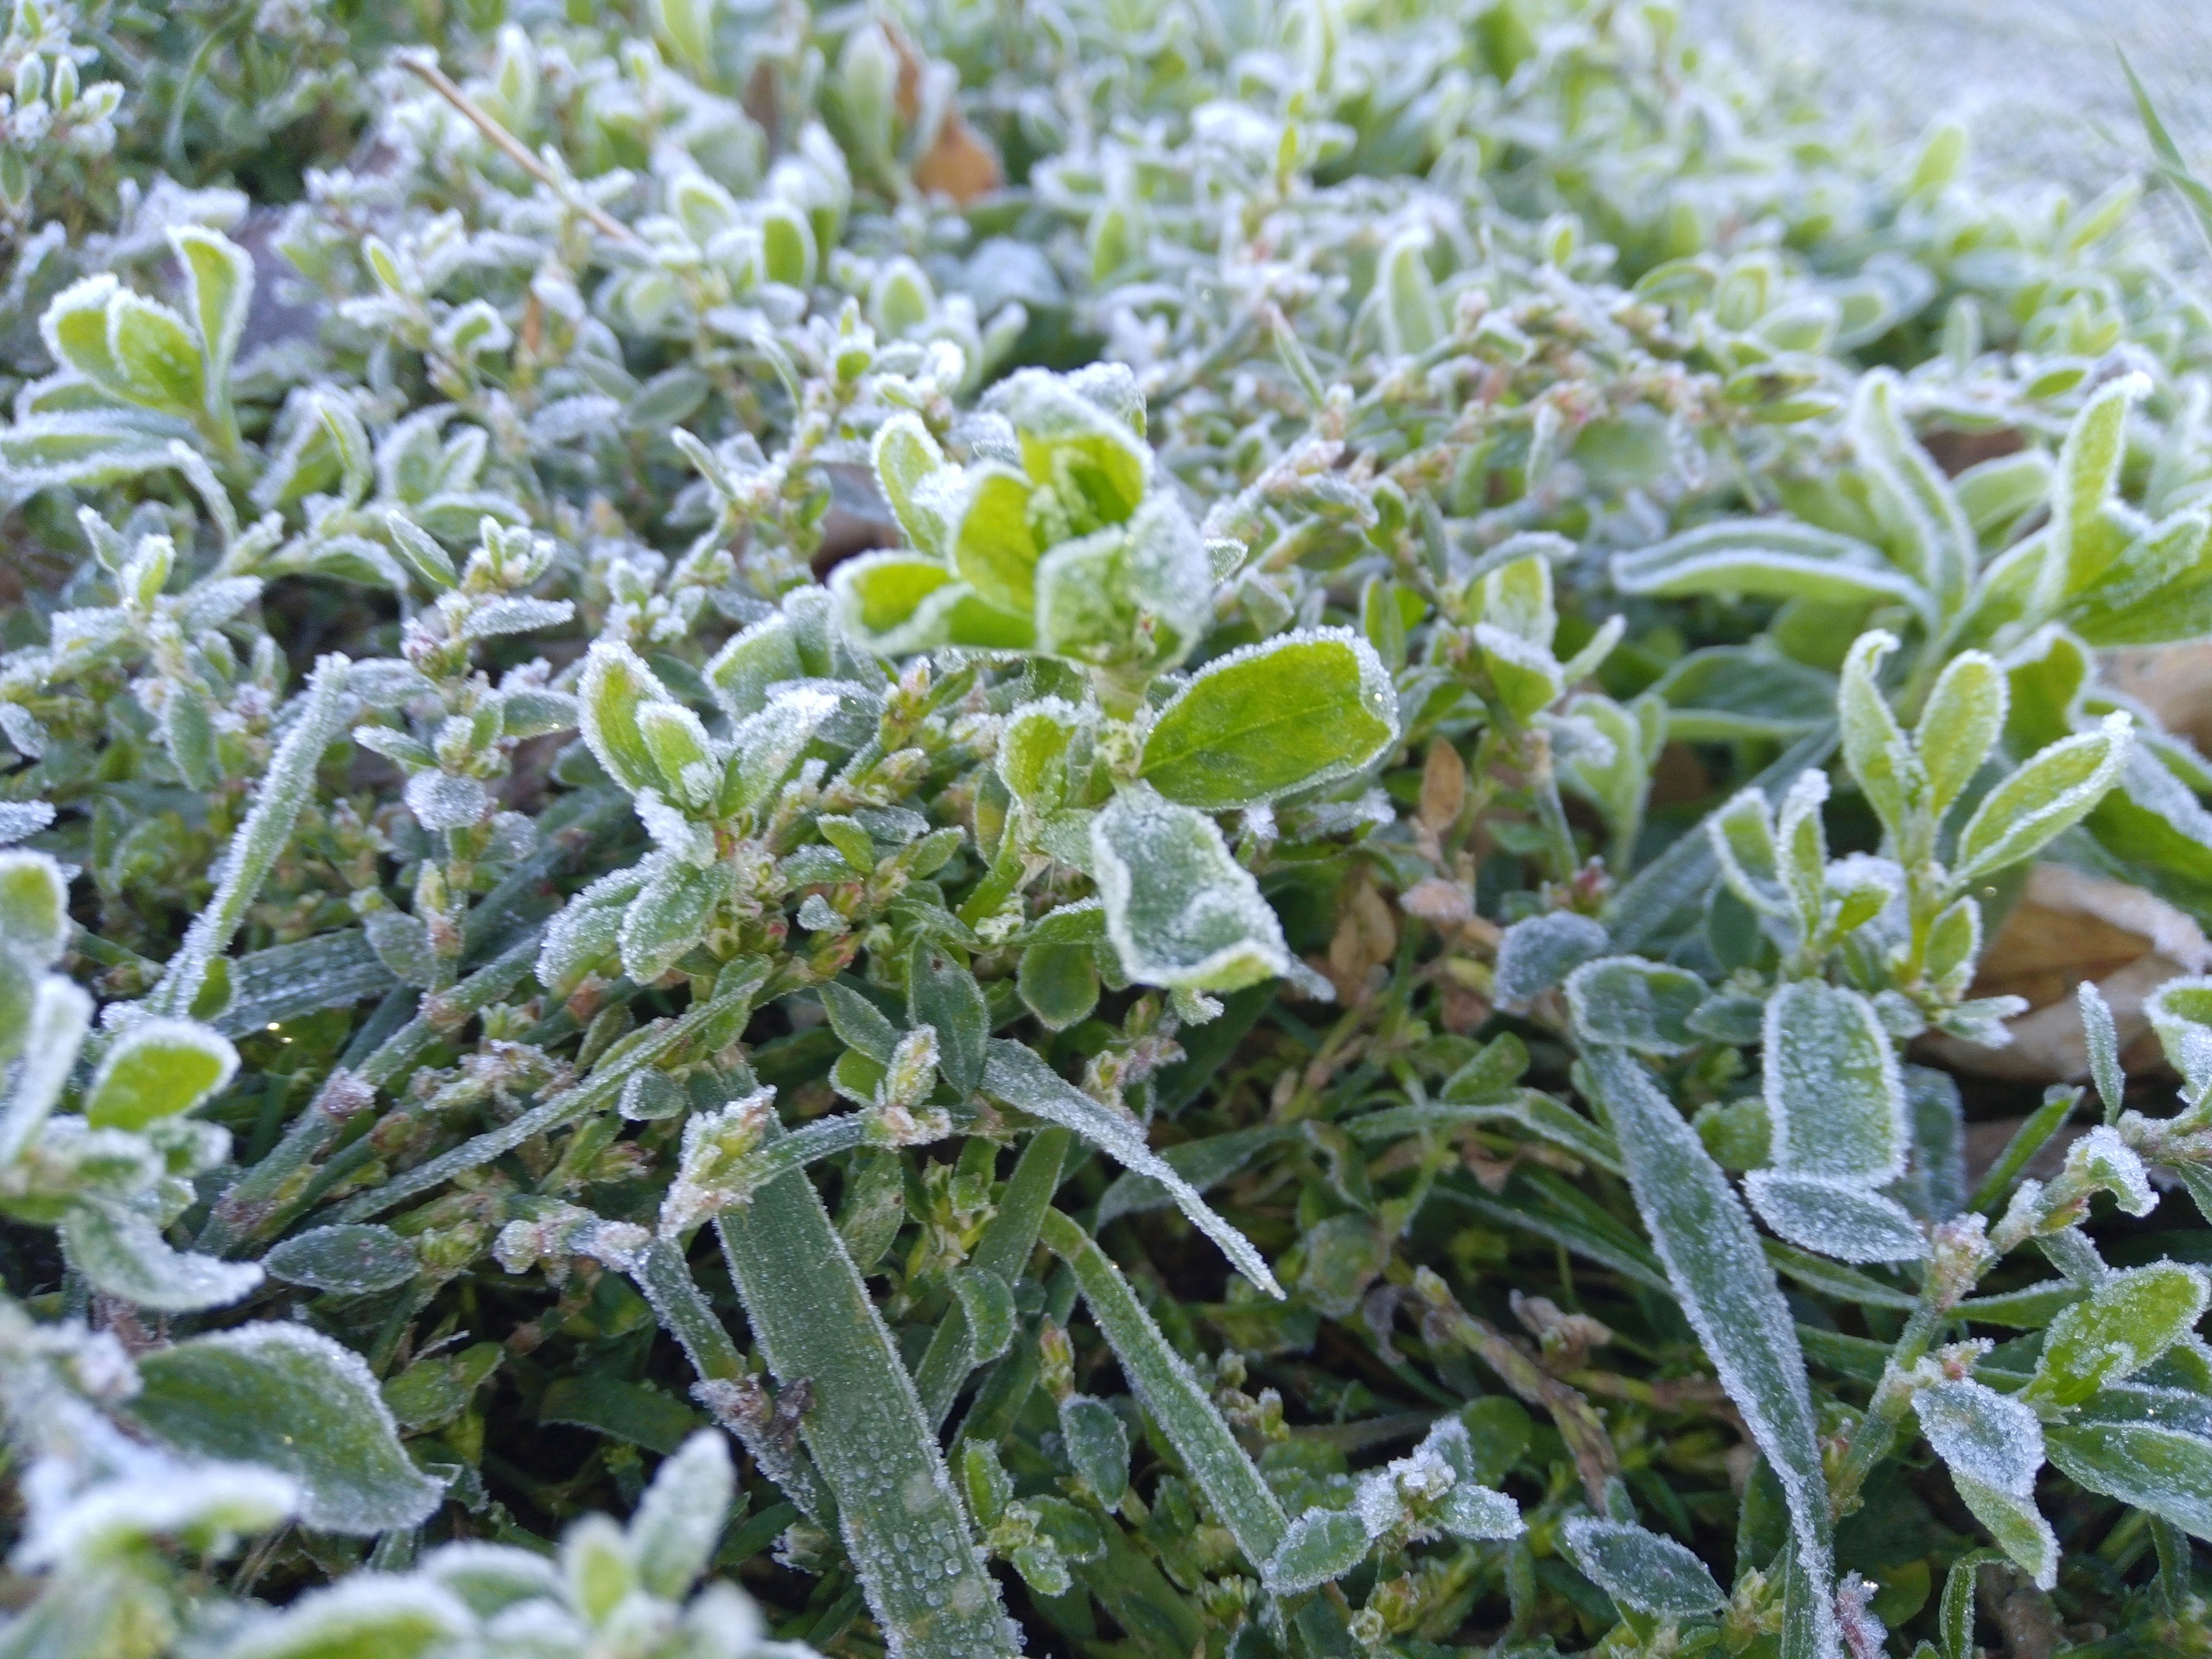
(680, 1519)
(1017, 1075)
(124, 1255)
(2129, 1320)
(2018, 1526)
(2054, 789)
(390, 1617)
(1639, 1568)
(1843, 1218)
(2165, 1471)
(1171, 1396)
(1728, 1292)
(1288, 713)
(1181, 912)
(1984, 1435)
(1832, 1089)
(290, 1399)
(1098, 1445)
(158, 1069)
(34, 905)
(352, 1260)
(1963, 718)
(1320, 1545)
(1539, 951)
(1635, 1004)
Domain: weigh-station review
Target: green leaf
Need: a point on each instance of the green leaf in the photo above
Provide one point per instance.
(902, 1522)
(754, 659)
(941, 991)
(1002, 1255)
(1640, 1569)
(34, 905)
(1097, 1445)
(627, 1411)
(1021, 1079)
(254, 848)
(419, 551)
(156, 355)
(1964, 717)
(908, 465)
(615, 686)
(1288, 713)
(1137, 597)
(1059, 983)
(1875, 746)
(1412, 315)
(886, 599)
(2054, 789)
(1774, 558)
(2164, 1471)
(289, 1398)
(380, 1615)
(2016, 1525)
(218, 289)
(994, 548)
(2128, 1321)
(1181, 912)
(669, 917)
(1172, 1396)
(2157, 591)
(2080, 544)
(156, 1069)
(1928, 523)
(1096, 463)
(1728, 1292)
(1728, 693)
(351, 1260)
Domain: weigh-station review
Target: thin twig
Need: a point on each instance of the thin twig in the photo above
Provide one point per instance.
(423, 66)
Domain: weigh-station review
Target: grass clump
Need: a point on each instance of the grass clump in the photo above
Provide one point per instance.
(1128, 830)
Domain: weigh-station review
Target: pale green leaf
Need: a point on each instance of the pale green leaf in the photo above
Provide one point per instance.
(1289, 714)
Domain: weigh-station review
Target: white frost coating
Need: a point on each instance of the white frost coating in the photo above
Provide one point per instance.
(1719, 1272)
(1640, 1568)
(1983, 1434)
(1181, 912)
(1015, 1075)
(1742, 829)
(1831, 1086)
(1848, 1220)
(1539, 951)
(21, 818)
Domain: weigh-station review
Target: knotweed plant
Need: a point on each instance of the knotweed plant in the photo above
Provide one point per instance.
(1138, 830)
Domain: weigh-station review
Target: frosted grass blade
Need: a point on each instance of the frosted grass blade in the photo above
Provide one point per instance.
(254, 848)
(1714, 1261)
(1016, 1076)
(903, 1524)
(1171, 1394)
